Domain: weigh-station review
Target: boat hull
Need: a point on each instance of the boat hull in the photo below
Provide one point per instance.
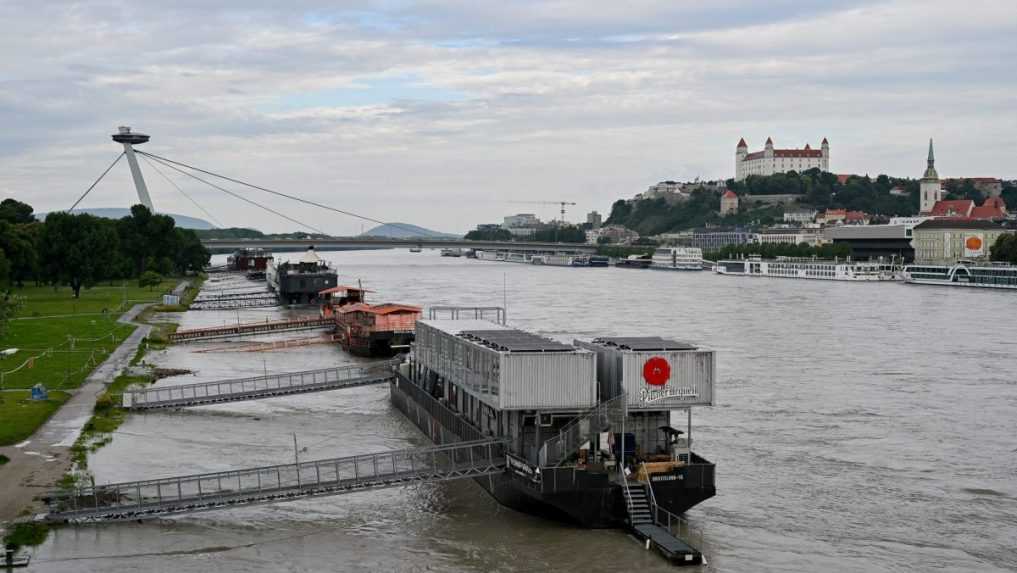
(579, 497)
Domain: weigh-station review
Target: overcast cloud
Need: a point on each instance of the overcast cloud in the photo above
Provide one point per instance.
(439, 112)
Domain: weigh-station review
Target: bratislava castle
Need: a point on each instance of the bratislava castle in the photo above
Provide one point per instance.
(770, 160)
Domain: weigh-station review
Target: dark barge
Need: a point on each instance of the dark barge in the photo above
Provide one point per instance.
(300, 282)
(587, 427)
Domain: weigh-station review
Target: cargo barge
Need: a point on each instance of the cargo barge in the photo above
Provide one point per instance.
(587, 426)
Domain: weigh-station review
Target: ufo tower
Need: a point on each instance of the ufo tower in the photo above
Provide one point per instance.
(129, 139)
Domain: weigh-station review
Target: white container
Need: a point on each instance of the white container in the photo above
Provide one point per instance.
(506, 380)
(170, 299)
(664, 379)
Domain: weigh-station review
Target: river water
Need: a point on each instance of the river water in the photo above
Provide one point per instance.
(859, 427)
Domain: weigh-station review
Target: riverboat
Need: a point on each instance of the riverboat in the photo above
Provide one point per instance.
(451, 252)
(300, 282)
(963, 274)
(820, 269)
(560, 260)
(677, 259)
(252, 261)
(635, 262)
(584, 425)
(375, 330)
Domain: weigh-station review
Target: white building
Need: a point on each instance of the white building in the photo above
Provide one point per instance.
(812, 237)
(522, 224)
(728, 203)
(802, 216)
(594, 219)
(930, 189)
(770, 160)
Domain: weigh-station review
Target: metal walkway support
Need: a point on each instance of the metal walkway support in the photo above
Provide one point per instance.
(203, 492)
(259, 386)
(251, 329)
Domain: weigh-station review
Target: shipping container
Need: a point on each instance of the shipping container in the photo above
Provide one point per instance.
(656, 373)
(505, 368)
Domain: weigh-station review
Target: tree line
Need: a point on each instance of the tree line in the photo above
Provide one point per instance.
(1005, 249)
(80, 250)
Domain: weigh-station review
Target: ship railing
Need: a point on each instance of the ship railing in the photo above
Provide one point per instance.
(424, 408)
(205, 391)
(466, 312)
(583, 428)
(675, 524)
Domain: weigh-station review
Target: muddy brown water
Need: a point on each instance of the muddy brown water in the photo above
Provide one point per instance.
(859, 427)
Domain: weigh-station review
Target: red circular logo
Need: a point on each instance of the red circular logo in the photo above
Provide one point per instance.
(656, 371)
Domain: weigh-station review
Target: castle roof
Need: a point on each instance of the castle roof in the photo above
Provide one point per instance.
(769, 141)
(741, 143)
(787, 153)
(825, 142)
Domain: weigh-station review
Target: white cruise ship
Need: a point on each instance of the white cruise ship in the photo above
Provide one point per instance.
(963, 274)
(677, 259)
(820, 269)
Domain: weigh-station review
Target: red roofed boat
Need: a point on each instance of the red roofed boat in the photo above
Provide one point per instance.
(369, 329)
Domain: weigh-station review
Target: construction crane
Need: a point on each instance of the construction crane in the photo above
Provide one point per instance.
(561, 203)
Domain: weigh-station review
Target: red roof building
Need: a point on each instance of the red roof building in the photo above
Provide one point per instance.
(953, 208)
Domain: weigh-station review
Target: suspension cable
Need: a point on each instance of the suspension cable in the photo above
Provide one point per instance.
(92, 186)
(217, 223)
(238, 196)
(288, 196)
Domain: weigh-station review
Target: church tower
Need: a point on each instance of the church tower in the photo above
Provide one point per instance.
(930, 189)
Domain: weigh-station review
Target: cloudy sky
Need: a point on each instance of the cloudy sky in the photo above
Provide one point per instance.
(443, 112)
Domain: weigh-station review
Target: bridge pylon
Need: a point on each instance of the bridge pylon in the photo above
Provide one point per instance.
(129, 139)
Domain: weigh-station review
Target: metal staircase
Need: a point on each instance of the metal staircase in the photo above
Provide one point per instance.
(638, 504)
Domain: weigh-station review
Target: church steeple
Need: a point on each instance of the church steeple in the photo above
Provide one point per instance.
(930, 171)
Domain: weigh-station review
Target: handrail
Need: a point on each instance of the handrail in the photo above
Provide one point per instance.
(671, 518)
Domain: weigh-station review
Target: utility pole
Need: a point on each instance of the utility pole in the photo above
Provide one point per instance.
(296, 456)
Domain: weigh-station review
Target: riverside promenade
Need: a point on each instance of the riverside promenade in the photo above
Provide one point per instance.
(39, 462)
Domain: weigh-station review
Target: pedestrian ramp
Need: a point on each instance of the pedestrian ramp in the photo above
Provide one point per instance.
(258, 387)
(277, 483)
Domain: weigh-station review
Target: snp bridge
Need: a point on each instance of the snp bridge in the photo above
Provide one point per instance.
(202, 492)
(230, 245)
(256, 387)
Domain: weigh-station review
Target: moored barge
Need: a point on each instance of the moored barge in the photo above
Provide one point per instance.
(300, 282)
(587, 426)
(379, 330)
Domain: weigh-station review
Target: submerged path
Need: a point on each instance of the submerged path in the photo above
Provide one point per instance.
(41, 460)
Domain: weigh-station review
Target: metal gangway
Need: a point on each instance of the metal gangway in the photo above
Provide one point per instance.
(256, 387)
(235, 303)
(251, 329)
(202, 492)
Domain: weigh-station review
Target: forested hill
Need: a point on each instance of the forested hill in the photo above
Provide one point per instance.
(813, 189)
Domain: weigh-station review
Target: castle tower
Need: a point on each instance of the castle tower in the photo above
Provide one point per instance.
(826, 155)
(740, 153)
(129, 140)
(930, 189)
(768, 149)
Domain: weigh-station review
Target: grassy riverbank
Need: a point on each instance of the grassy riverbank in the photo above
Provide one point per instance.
(59, 341)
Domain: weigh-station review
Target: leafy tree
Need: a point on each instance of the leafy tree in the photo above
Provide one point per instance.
(561, 234)
(1005, 248)
(19, 244)
(16, 212)
(191, 255)
(150, 279)
(498, 234)
(75, 249)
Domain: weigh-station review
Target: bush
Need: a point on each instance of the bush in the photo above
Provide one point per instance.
(26, 534)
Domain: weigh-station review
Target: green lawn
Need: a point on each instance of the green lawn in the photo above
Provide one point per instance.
(20, 415)
(65, 338)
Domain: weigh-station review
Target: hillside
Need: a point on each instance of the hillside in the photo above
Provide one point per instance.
(405, 231)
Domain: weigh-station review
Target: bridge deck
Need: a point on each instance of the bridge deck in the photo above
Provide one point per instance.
(257, 387)
(251, 329)
(203, 492)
